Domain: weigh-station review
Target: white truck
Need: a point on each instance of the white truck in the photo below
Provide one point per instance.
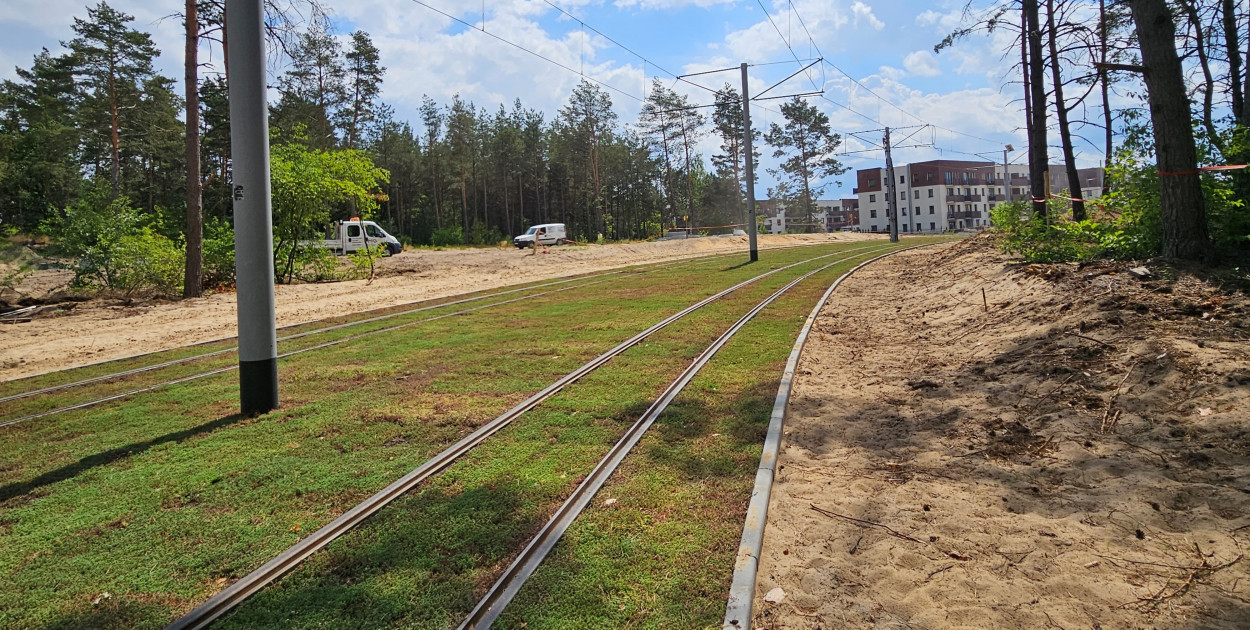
(348, 236)
(546, 233)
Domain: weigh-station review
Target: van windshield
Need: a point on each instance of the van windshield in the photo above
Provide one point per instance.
(532, 230)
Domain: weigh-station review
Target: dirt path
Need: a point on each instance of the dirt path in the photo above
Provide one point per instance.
(1073, 452)
(103, 330)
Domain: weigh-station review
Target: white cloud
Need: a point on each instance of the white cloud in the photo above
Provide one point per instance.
(669, 4)
(921, 63)
(864, 13)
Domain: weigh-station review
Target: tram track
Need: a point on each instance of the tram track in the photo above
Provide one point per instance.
(229, 598)
(192, 377)
(115, 376)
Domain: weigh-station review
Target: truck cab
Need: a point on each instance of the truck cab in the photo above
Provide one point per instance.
(343, 237)
(546, 234)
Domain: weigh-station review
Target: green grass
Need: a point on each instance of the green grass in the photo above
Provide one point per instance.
(165, 498)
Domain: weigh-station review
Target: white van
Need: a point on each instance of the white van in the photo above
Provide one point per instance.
(546, 233)
(344, 237)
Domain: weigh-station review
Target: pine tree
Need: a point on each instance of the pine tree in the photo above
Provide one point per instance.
(40, 141)
(314, 89)
(806, 146)
(112, 62)
(363, 83)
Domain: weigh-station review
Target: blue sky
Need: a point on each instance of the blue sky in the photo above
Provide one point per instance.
(886, 45)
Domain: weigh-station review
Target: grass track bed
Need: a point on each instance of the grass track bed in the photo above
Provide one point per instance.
(162, 517)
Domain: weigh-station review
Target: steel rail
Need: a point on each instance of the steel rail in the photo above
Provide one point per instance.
(140, 370)
(177, 381)
(509, 584)
(651, 267)
(334, 342)
(230, 597)
(165, 364)
(742, 588)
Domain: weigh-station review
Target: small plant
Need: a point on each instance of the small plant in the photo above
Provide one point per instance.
(363, 260)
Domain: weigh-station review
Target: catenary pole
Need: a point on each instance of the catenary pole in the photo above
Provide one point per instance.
(253, 221)
(1006, 174)
(748, 150)
(891, 202)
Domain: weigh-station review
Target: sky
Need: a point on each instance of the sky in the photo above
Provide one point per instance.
(879, 66)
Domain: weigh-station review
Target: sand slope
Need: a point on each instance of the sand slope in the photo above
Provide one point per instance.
(1075, 456)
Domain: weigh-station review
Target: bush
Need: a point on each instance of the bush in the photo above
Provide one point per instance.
(149, 261)
(442, 237)
(218, 253)
(117, 247)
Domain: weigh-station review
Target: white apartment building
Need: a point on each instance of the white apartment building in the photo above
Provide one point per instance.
(941, 195)
(831, 215)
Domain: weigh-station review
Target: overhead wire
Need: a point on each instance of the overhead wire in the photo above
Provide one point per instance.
(536, 54)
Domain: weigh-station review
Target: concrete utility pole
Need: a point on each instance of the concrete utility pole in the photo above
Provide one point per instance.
(750, 164)
(253, 220)
(1006, 173)
(891, 202)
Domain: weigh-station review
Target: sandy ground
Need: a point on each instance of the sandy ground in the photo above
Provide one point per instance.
(1074, 452)
(100, 330)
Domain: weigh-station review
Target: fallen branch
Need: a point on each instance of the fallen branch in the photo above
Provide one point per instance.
(1196, 574)
(860, 521)
(1048, 395)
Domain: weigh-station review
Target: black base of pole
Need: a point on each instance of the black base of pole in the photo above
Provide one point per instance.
(755, 256)
(258, 386)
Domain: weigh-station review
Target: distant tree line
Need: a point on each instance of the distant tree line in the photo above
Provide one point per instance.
(96, 129)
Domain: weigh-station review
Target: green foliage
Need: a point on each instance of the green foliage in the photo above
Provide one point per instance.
(364, 260)
(218, 253)
(481, 234)
(442, 237)
(117, 248)
(307, 185)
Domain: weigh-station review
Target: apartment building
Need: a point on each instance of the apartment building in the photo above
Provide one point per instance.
(941, 195)
(831, 215)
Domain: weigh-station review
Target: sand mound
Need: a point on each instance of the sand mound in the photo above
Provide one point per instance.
(1071, 452)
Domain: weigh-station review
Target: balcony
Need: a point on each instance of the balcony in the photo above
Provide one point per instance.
(965, 214)
(963, 197)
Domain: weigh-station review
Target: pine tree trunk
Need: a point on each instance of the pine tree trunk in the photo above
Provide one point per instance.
(1065, 133)
(1039, 160)
(192, 282)
(1182, 207)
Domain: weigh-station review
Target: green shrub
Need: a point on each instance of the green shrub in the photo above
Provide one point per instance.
(218, 253)
(149, 261)
(442, 237)
(116, 246)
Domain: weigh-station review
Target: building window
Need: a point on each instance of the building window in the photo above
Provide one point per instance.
(950, 179)
(902, 195)
(915, 194)
(873, 228)
(930, 209)
(950, 192)
(872, 199)
(932, 227)
(950, 209)
(904, 211)
(930, 193)
(902, 179)
(904, 227)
